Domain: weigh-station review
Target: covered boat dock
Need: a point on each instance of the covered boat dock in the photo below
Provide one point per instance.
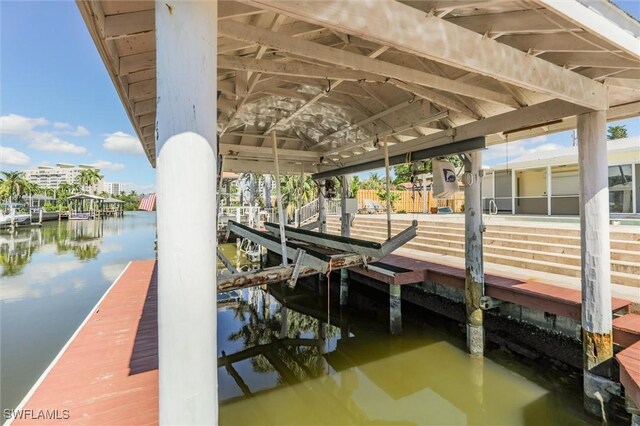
(331, 88)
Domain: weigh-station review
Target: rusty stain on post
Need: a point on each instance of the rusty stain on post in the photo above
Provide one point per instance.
(598, 349)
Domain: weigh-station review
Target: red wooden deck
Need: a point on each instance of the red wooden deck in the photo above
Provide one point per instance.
(629, 360)
(546, 297)
(108, 373)
(626, 329)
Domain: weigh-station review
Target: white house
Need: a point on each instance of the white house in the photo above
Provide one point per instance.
(547, 182)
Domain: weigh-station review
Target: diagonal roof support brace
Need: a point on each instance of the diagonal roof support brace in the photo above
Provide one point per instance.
(473, 144)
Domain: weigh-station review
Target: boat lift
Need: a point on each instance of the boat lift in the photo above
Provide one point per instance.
(311, 252)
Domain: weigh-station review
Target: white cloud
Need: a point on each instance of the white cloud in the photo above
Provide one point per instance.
(25, 129)
(108, 165)
(544, 147)
(13, 157)
(80, 131)
(45, 141)
(123, 142)
(69, 129)
(18, 125)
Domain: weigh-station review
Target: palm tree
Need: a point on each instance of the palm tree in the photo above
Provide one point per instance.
(374, 181)
(14, 184)
(294, 196)
(88, 178)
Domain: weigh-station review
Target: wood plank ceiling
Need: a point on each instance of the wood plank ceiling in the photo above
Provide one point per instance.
(330, 92)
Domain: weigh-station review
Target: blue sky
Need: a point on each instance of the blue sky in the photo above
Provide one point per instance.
(58, 104)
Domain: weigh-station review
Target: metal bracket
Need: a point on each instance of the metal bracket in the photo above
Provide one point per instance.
(465, 160)
(296, 268)
(487, 303)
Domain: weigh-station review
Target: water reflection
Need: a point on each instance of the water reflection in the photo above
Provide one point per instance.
(287, 360)
(82, 238)
(51, 277)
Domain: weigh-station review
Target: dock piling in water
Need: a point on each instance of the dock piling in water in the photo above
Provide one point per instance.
(474, 258)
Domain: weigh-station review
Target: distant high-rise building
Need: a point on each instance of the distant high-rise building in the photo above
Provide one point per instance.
(53, 176)
(112, 188)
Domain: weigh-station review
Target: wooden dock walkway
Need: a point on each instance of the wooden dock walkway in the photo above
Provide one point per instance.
(108, 371)
(107, 374)
(533, 294)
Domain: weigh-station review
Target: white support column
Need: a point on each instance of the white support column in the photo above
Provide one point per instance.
(473, 253)
(322, 207)
(301, 192)
(387, 186)
(493, 191)
(281, 217)
(345, 231)
(596, 261)
(548, 190)
(186, 175)
(513, 191)
(634, 188)
(322, 222)
(425, 195)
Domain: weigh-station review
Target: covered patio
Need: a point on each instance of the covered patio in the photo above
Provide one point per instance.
(331, 88)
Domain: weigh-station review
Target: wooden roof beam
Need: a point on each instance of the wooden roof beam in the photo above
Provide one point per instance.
(295, 69)
(586, 17)
(404, 28)
(347, 59)
(259, 152)
(535, 115)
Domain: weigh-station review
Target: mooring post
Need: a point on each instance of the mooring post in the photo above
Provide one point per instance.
(186, 155)
(345, 231)
(473, 255)
(322, 207)
(322, 344)
(322, 216)
(281, 218)
(284, 321)
(387, 186)
(395, 309)
(597, 339)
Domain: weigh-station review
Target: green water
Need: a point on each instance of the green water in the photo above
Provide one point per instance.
(286, 364)
(305, 371)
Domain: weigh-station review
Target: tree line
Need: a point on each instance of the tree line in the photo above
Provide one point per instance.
(14, 187)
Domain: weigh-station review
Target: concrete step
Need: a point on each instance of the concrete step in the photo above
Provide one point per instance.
(540, 228)
(624, 273)
(621, 250)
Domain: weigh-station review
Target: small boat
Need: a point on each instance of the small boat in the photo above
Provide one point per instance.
(80, 216)
(9, 214)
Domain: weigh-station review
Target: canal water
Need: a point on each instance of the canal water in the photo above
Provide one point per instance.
(284, 356)
(51, 277)
(288, 360)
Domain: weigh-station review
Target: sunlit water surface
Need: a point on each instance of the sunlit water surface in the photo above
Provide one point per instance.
(278, 363)
(51, 278)
(280, 366)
